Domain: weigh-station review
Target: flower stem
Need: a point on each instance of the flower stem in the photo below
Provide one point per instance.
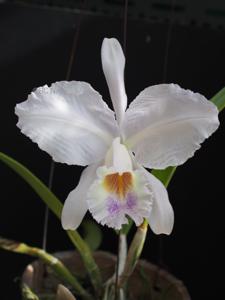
(117, 267)
(121, 258)
(134, 253)
(54, 263)
(88, 260)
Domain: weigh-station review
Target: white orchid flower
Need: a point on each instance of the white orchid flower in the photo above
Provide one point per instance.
(162, 127)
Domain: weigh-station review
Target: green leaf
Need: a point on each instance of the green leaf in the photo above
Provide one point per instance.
(166, 175)
(92, 234)
(219, 99)
(38, 186)
(56, 206)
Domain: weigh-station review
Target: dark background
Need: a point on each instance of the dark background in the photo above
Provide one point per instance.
(35, 45)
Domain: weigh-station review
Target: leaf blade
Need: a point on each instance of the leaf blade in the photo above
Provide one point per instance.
(219, 99)
(56, 206)
(38, 186)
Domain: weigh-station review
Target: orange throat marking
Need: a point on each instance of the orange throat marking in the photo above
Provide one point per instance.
(118, 184)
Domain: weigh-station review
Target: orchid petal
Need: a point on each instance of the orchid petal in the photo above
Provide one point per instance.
(166, 124)
(161, 217)
(70, 121)
(113, 62)
(75, 206)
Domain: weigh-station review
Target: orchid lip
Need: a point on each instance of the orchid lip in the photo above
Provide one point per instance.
(114, 196)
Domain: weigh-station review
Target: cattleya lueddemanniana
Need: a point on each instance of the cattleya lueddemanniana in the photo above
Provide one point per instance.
(162, 127)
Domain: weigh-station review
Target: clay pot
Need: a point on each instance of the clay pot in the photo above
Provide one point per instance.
(148, 282)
